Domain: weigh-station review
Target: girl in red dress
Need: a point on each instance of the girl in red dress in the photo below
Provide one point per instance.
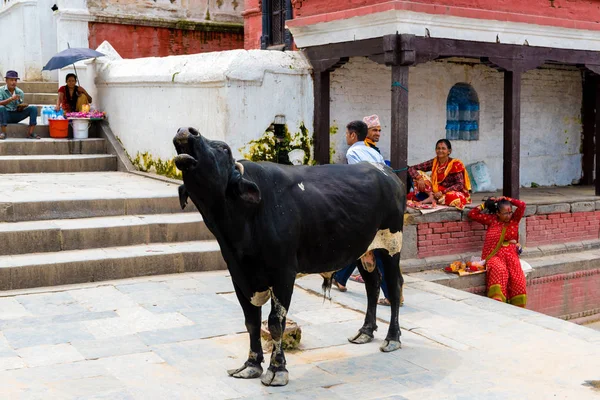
(505, 278)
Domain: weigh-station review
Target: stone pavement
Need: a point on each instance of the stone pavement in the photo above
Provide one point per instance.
(174, 336)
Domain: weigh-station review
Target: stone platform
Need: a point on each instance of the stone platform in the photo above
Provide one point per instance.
(174, 336)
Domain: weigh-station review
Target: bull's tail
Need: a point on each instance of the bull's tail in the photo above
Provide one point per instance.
(326, 286)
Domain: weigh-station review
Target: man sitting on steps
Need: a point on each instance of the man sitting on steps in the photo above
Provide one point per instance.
(12, 109)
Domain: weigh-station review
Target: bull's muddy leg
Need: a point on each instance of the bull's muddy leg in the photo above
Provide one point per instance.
(372, 283)
(252, 314)
(277, 374)
(395, 282)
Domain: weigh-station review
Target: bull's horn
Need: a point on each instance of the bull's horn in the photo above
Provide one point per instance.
(239, 167)
(184, 161)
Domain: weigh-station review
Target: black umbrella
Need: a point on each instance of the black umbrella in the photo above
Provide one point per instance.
(70, 56)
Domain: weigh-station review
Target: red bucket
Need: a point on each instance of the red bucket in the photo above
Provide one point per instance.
(59, 128)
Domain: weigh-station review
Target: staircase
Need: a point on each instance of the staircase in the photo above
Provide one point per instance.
(68, 216)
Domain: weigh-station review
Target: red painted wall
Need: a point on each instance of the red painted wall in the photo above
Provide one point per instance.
(252, 24)
(132, 41)
(579, 14)
(584, 10)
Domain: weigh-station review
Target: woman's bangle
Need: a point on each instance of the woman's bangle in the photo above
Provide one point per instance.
(482, 206)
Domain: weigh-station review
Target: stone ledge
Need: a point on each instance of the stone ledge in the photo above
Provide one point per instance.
(415, 265)
(542, 267)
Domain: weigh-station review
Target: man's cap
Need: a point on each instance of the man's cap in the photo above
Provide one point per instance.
(11, 74)
(372, 121)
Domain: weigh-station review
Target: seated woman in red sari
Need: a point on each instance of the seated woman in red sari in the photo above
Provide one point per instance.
(505, 278)
(449, 182)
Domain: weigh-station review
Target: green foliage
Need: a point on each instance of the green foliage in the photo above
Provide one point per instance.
(268, 146)
(146, 163)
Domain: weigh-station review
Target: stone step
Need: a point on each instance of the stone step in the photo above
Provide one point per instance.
(39, 87)
(47, 146)
(41, 98)
(21, 130)
(91, 233)
(57, 163)
(78, 266)
(34, 197)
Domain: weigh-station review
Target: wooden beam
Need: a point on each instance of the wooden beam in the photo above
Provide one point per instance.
(431, 48)
(512, 133)
(355, 48)
(321, 115)
(588, 117)
(597, 136)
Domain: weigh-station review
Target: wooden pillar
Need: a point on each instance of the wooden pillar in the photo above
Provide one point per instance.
(265, 38)
(399, 53)
(321, 116)
(512, 133)
(588, 122)
(597, 135)
(399, 122)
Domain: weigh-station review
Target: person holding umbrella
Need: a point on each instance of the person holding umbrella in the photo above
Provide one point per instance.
(72, 97)
(12, 109)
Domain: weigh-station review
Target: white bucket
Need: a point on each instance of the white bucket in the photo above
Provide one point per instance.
(80, 128)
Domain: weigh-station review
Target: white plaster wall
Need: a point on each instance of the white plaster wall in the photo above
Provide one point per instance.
(231, 96)
(550, 115)
(21, 48)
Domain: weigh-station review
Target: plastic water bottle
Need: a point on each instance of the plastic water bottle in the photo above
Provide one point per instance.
(46, 112)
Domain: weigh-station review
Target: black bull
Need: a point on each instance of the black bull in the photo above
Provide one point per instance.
(273, 222)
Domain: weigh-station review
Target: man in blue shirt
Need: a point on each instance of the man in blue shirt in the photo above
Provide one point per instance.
(356, 133)
(12, 109)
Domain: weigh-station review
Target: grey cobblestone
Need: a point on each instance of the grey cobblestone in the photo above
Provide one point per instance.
(143, 351)
(554, 208)
(583, 206)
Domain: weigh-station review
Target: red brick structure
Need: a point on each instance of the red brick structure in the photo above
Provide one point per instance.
(133, 41)
(564, 227)
(558, 13)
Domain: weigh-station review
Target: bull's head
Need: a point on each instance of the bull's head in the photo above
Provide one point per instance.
(209, 171)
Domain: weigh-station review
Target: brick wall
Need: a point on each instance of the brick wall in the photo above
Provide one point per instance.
(442, 238)
(562, 227)
(133, 41)
(565, 294)
(571, 295)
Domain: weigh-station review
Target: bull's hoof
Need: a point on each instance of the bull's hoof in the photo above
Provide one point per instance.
(360, 338)
(246, 371)
(275, 378)
(390, 345)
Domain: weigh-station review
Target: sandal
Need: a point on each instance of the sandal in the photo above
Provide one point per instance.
(33, 136)
(2, 136)
(340, 287)
(384, 302)
(357, 278)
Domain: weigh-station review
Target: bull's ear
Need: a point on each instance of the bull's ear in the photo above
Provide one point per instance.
(249, 191)
(243, 189)
(183, 196)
